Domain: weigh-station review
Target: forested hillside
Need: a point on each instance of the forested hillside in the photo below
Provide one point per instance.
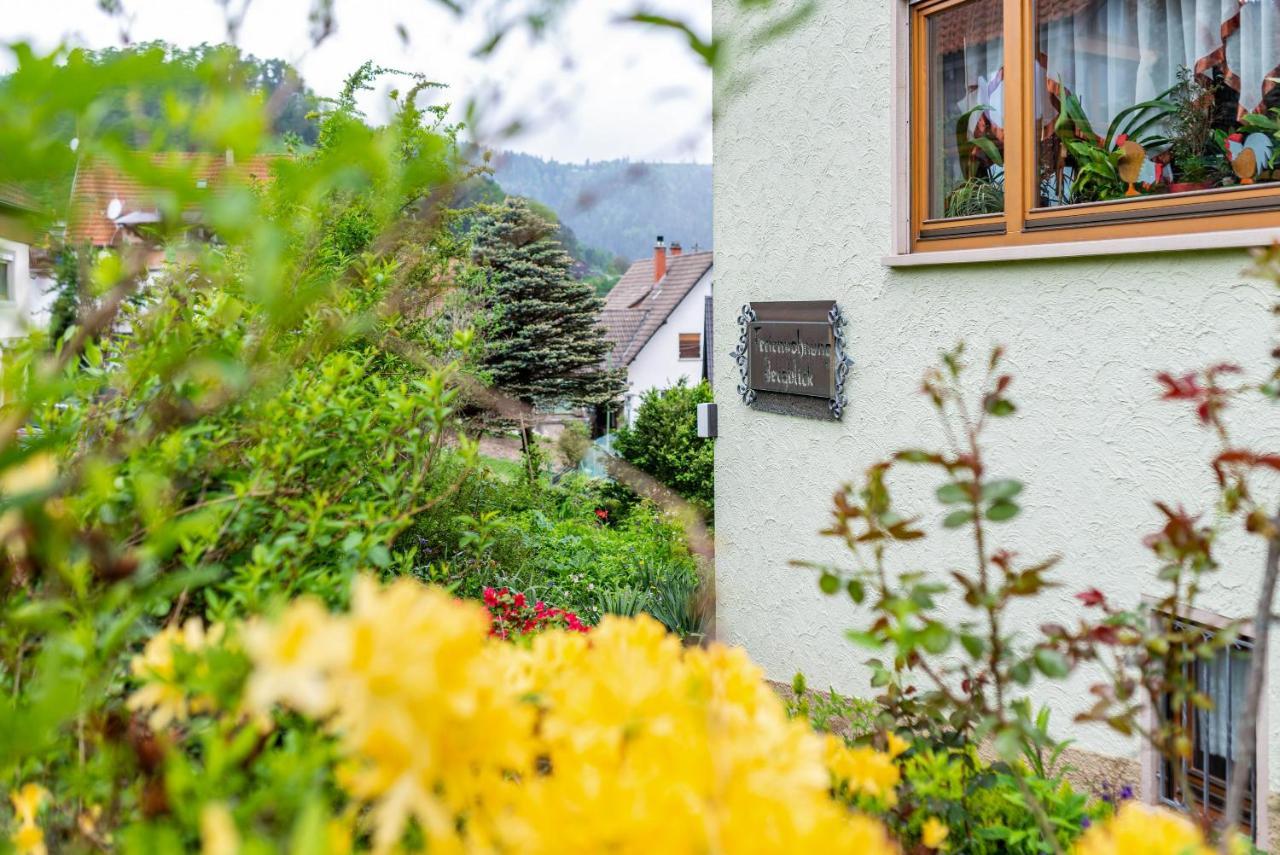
(618, 205)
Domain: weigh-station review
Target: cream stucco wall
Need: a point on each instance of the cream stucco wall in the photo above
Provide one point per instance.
(658, 364)
(803, 171)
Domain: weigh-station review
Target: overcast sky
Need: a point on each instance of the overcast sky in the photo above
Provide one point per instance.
(594, 89)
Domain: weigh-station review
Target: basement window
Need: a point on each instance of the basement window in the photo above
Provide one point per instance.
(1200, 782)
(1078, 120)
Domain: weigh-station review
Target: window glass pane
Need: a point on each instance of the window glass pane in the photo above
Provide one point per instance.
(690, 345)
(6, 281)
(965, 90)
(1140, 97)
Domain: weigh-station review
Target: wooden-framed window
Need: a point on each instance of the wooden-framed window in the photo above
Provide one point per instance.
(1200, 781)
(1050, 121)
(691, 345)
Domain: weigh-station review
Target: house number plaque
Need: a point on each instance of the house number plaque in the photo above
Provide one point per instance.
(792, 350)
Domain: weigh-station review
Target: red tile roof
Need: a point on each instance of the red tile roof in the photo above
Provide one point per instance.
(97, 185)
(636, 307)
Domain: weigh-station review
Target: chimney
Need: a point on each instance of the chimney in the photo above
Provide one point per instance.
(659, 260)
(676, 249)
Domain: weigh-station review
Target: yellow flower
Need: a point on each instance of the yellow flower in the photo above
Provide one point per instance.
(1139, 829)
(29, 840)
(863, 770)
(218, 835)
(162, 691)
(896, 744)
(292, 658)
(934, 833)
(27, 802)
(621, 740)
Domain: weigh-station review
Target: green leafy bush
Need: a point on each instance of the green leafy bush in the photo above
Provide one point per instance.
(983, 804)
(574, 543)
(664, 442)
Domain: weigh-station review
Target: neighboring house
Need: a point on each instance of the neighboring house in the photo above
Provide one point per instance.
(109, 209)
(655, 318)
(19, 297)
(855, 189)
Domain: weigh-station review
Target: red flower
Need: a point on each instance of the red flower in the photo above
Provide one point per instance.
(602, 515)
(1091, 597)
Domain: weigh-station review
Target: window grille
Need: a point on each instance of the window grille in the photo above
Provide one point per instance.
(1215, 744)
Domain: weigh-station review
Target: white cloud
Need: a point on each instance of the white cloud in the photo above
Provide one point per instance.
(593, 89)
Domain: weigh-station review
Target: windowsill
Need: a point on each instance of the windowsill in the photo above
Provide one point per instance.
(690, 359)
(1117, 246)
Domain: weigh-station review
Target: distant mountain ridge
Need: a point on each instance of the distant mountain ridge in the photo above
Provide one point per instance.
(618, 205)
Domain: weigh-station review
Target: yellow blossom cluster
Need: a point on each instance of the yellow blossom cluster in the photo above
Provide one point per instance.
(1139, 829)
(621, 740)
(28, 838)
(862, 770)
(163, 693)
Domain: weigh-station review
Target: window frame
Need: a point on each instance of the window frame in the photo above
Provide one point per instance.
(1152, 783)
(9, 278)
(680, 343)
(1231, 216)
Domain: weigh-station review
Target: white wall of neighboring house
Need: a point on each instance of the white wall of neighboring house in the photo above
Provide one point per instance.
(658, 364)
(16, 311)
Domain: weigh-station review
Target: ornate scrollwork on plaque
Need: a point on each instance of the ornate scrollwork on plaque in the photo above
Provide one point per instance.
(740, 355)
(793, 351)
(843, 362)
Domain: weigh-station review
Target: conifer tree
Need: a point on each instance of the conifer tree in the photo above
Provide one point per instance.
(544, 341)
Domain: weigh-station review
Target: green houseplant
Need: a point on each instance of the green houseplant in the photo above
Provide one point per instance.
(981, 190)
(1191, 128)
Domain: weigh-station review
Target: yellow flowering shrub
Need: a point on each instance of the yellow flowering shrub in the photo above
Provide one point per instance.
(622, 740)
(1139, 829)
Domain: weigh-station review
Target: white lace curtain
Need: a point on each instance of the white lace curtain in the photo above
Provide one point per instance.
(1116, 53)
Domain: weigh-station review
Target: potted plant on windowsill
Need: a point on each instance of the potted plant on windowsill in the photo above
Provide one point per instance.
(1191, 128)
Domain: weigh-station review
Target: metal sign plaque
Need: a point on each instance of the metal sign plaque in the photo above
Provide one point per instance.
(793, 349)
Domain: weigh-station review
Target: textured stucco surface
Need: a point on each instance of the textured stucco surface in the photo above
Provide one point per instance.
(802, 194)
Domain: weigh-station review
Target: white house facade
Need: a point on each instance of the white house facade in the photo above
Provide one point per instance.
(831, 185)
(22, 300)
(655, 317)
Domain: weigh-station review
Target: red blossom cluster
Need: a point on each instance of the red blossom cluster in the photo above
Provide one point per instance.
(512, 615)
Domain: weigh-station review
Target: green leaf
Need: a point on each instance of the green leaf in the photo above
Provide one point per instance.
(1005, 489)
(1001, 407)
(973, 645)
(955, 519)
(864, 639)
(1052, 663)
(1002, 510)
(935, 638)
(829, 583)
(857, 591)
(954, 492)
(1021, 673)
